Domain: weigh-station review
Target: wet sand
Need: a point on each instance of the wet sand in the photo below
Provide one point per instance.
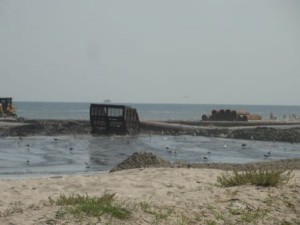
(67, 154)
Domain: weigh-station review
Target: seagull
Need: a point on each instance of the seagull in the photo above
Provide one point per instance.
(208, 153)
(171, 150)
(70, 148)
(28, 162)
(205, 158)
(28, 145)
(87, 165)
(244, 145)
(266, 155)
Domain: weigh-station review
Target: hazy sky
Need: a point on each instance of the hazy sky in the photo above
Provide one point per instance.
(151, 51)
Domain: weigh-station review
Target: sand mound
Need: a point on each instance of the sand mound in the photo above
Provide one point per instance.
(148, 159)
(141, 160)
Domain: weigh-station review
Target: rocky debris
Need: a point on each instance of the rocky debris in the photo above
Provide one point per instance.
(71, 127)
(25, 130)
(283, 164)
(48, 127)
(141, 160)
(267, 134)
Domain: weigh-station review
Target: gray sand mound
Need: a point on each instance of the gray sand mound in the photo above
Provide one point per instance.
(148, 159)
(141, 160)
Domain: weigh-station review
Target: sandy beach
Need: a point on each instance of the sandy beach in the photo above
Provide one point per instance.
(171, 196)
(155, 196)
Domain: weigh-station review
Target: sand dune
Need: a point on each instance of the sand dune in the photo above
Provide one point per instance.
(190, 196)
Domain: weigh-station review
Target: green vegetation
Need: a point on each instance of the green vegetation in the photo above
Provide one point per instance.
(252, 217)
(210, 222)
(158, 213)
(228, 216)
(272, 178)
(293, 222)
(13, 208)
(79, 205)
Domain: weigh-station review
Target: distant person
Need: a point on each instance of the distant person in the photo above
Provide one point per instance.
(1, 110)
(272, 117)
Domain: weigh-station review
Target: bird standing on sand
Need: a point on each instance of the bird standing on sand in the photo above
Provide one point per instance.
(268, 154)
(28, 148)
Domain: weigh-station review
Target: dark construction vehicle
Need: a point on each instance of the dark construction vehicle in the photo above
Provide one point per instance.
(114, 119)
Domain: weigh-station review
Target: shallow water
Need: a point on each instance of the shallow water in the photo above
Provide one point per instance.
(44, 155)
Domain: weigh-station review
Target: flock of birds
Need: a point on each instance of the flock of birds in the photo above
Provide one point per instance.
(170, 150)
(28, 148)
(208, 154)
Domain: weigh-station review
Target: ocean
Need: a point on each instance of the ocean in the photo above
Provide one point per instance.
(37, 156)
(80, 111)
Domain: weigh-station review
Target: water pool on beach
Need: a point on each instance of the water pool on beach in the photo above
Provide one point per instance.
(45, 155)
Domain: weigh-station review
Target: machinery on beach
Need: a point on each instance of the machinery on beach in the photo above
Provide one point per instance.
(7, 108)
(114, 119)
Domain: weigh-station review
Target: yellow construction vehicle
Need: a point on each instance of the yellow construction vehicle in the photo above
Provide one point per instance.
(7, 108)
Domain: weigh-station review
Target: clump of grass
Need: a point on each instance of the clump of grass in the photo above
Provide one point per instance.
(265, 178)
(158, 212)
(14, 207)
(92, 206)
(251, 217)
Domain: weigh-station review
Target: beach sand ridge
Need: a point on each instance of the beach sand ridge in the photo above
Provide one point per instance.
(182, 195)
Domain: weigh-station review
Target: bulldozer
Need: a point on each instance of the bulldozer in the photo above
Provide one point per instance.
(7, 108)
